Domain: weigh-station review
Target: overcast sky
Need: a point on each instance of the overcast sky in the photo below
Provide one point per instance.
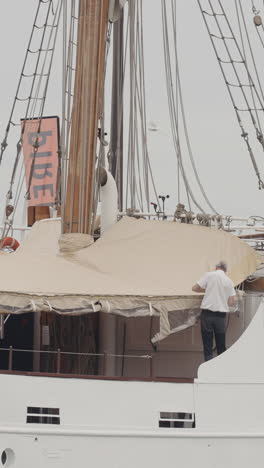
(221, 157)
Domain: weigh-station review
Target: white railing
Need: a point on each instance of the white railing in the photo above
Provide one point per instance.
(227, 222)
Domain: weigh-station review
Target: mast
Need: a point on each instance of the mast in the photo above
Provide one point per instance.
(89, 77)
(116, 149)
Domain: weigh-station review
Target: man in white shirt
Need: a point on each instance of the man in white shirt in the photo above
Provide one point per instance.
(219, 295)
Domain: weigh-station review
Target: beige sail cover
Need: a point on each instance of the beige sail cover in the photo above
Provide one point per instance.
(139, 267)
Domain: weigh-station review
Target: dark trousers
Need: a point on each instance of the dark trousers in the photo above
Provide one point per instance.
(213, 325)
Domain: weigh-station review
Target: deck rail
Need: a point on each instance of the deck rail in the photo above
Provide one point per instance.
(58, 355)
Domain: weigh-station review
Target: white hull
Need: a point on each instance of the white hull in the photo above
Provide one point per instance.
(141, 451)
(102, 422)
(116, 424)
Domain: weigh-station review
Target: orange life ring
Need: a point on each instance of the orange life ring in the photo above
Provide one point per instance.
(9, 242)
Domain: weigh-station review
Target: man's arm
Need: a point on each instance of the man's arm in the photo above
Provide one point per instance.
(231, 301)
(197, 288)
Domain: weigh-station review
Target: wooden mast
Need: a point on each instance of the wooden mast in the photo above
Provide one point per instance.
(89, 76)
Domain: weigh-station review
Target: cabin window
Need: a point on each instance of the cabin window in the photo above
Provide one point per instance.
(178, 419)
(37, 415)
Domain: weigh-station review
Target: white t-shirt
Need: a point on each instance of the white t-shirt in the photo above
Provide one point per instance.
(218, 288)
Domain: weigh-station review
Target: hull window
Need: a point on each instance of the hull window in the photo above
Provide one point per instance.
(177, 419)
(37, 415)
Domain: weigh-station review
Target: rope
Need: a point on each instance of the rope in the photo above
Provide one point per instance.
(68, 95)
(72, 242)
(186, 132)
(36, 81)
(239, 85)
(68, 70)
(101, 158)
(250, 48)
(41, 110)
(140, 179)
(172, 108)
(4, 142)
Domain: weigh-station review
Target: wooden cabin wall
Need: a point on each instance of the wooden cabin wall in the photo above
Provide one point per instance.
(71, 334)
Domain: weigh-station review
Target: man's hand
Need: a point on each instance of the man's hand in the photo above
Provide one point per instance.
(197, 288)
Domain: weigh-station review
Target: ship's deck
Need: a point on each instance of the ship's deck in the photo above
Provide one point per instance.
(100, 377)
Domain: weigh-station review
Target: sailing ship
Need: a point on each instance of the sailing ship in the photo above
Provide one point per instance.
(101, 358)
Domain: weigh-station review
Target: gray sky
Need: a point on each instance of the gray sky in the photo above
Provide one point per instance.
(221, 157)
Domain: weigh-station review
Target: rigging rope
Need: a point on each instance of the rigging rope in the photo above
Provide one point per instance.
(239, 85)
(68, 71)
(258, 22)
(176, 107)
(4, 142)
(57, 15)
(250, 47)
(38, 77)
(140, 179)
(244, 53)
(101, 153)
(184, 121)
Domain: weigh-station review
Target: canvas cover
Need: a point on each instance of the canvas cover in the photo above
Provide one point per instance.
(137, 268)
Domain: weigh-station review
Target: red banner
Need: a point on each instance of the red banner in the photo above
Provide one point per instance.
(44, 178)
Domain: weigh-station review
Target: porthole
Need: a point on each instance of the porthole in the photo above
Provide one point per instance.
(3, 458)
(7, 458)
